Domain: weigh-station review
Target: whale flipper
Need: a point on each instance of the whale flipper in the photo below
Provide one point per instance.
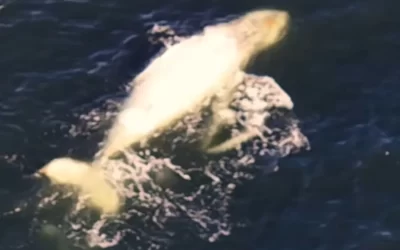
(221, 114)
(258, 96)
(233, 142)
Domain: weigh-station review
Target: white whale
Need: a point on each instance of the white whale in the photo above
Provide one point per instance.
(199, 71)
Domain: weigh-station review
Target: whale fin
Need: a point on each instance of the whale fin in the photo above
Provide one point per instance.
(232, 142)
(264, 93)
(221, 114)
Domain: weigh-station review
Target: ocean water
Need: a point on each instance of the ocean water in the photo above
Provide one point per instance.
(340, 65)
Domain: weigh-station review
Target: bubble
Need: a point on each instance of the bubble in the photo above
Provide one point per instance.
(167, 186)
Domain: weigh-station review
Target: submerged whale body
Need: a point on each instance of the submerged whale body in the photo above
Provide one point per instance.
(200, 71)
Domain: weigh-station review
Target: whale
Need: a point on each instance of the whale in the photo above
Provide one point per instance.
(200, 71)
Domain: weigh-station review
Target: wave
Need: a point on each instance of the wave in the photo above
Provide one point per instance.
(169, 188)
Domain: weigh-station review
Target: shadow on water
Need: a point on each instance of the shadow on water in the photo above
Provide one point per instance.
(340, 64)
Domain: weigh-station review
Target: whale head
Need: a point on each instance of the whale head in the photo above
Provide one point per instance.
(267, 25)
(259, 30)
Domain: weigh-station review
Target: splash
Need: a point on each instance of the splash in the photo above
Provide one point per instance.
(166, 191)
(169, 187)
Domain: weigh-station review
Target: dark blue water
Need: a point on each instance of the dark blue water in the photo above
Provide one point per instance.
(340, 64)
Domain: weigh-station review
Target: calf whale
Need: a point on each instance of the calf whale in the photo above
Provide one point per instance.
(200, 71)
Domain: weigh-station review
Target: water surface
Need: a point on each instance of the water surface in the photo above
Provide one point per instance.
(340, 65)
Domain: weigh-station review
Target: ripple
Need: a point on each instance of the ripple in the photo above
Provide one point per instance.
(340, 67)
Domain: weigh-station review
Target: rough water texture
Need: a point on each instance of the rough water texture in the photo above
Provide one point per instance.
(64, 59)
(161, 194)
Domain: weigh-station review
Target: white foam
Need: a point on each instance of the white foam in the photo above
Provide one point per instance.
(148, 178)
(209, 218)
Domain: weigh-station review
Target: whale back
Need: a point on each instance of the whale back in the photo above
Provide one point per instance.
(180, 81)
(187, 75)
(191, 67)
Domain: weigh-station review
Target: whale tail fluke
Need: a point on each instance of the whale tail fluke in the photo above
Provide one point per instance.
(88, 179)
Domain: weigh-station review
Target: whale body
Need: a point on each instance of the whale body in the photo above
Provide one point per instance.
(200, 71)
(169, 88)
